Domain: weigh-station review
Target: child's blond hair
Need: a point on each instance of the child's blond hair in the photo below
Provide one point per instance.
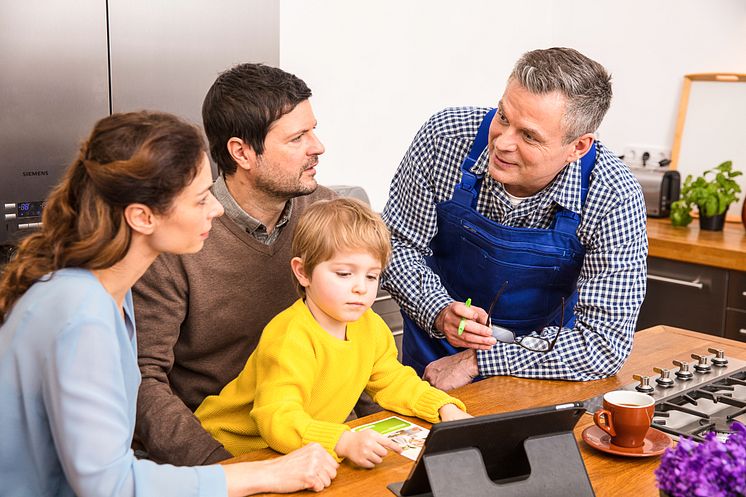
(331, 226)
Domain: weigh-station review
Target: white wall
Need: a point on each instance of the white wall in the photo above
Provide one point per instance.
(379, 69)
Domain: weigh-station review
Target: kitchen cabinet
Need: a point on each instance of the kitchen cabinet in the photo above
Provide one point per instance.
(684, 295)
(696, 297)
(735, 313)
(735, 324)
(696, 279)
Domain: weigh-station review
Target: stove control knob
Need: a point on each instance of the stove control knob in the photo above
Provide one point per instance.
(684, 374)
(644, 386)
(702, 366)
(664, 380)
(719, 361)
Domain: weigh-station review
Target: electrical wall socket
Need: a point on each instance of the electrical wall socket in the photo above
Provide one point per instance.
(633, 155)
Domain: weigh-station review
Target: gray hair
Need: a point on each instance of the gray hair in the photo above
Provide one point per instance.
(584, 82)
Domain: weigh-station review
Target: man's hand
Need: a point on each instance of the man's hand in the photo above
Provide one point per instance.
(365, 448)
(476, 334)
(452, 371)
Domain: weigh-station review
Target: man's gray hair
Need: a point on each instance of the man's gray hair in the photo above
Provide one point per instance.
(584, 82)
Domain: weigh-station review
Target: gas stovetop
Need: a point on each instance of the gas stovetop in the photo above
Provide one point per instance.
(695, 398)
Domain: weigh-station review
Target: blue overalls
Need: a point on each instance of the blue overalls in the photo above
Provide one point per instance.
(474, 256)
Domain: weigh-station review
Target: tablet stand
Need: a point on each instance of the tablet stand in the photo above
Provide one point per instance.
(556, 469)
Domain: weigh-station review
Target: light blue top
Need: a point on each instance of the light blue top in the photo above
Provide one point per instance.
(68, 391)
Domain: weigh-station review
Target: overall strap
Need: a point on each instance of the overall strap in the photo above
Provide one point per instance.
(566, 220)
(586, 168)
(466, 192)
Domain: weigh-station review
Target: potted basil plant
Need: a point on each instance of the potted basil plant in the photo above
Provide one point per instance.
(712, 193)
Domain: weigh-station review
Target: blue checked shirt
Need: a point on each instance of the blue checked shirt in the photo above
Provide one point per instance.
(611, 285)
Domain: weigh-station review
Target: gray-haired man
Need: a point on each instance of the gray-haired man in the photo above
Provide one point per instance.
(552, 240)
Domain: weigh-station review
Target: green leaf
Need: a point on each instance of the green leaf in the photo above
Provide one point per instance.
(680, 217)
(711, 205)
(712, 193)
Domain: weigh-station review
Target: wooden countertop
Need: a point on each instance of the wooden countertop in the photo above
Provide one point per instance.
(724, 249)
(609, 475)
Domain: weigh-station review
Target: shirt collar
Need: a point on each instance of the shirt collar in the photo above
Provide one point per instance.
(235, 212)
(564, 190)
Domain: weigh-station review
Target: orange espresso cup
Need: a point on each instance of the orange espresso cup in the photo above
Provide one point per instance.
(626, 417)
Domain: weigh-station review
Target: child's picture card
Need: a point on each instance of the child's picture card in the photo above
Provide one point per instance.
(409, 436)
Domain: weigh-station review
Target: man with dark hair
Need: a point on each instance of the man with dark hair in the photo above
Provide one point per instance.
(200, 316)
(550, 246)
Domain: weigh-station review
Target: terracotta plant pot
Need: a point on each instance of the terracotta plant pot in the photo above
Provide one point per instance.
(712, 223)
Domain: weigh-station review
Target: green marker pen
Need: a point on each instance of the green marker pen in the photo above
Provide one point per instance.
(462, 324)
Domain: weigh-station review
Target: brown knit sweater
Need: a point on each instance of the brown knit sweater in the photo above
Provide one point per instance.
(199, 317)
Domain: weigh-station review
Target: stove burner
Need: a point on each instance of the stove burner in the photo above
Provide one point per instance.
(718, 424)
(694, 405)
(710, 408)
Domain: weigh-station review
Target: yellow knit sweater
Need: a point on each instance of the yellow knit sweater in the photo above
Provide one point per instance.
(301, 383)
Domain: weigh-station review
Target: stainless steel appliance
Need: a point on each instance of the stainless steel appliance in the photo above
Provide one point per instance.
(53, 86)
(660, 187)
(698, 395)
(65, 67)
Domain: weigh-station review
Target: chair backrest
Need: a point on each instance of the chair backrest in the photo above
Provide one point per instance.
(357, 192)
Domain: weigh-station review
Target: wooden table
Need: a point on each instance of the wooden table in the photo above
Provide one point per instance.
(725, 249)
(609, 475)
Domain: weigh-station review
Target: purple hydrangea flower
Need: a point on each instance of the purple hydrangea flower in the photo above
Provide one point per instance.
(708, 469)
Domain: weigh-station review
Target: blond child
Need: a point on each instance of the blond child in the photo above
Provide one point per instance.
(315, 358)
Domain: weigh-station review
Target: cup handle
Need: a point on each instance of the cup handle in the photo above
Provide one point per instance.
(607, 425)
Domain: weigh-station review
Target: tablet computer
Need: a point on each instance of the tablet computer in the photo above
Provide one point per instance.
(499, 437)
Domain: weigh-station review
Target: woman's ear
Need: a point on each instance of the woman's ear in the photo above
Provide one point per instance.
(296, 264)
(140, 218)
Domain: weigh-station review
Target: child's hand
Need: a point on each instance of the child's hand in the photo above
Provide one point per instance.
(449, 412)
(365, 448)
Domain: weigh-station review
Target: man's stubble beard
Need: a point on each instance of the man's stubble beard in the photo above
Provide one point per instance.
(286, 188)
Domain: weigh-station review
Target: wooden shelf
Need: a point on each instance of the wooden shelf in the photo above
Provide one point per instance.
(724, 249)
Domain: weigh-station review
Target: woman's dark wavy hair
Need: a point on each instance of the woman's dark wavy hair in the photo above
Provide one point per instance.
(137, 157)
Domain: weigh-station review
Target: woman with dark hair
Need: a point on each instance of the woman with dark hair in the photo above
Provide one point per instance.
(68, 357)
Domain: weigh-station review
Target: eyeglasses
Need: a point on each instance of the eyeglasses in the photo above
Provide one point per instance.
(532, 343)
